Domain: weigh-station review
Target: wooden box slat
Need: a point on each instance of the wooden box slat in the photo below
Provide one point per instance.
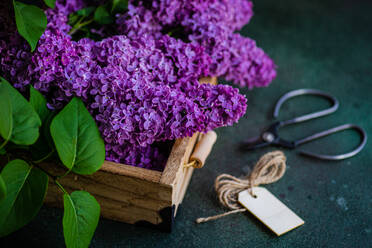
(131, 194)
(131, 171)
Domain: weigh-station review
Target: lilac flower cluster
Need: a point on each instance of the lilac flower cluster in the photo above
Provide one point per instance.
(141, 89)
(211, 24)
(14, 53)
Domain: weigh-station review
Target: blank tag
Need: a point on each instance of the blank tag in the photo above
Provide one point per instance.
(268, 209)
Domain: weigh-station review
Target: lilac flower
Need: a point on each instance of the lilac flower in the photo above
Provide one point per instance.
(136, 96)
(234, 57)
(142, 86)
(249, 65)
(210, 24)
(137, 22)
(14, 52)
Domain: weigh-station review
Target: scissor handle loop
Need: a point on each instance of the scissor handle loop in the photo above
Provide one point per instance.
(310, 116)
(331, 131)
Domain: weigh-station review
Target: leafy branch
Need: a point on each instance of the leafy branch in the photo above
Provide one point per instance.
(83, 20)
(72, 135)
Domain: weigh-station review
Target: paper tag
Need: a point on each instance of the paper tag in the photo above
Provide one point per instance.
(268, 209)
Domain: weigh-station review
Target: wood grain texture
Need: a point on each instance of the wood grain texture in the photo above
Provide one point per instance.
(131, 171)
(118, 210)
(106, 183)
(179, 155)
(208, 80)
(183, 187)
(128, 193)
(174, 173)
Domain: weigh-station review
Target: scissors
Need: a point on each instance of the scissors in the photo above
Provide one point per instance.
(270, 135)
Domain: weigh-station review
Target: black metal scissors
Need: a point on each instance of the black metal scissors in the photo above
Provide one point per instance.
(270, 135)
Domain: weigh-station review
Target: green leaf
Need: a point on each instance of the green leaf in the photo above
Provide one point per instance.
(45, 129)
(38, 102)
(26, 121)
(44, 144)
(85, 11)
(31, 22)
(50, 3)
(2, 151)
(6, 117)
(76, 18)
(80, 219)
(103, 16)
(119, 6)
(26, 189)
(2, 189)
(77, 139)
(72, 19)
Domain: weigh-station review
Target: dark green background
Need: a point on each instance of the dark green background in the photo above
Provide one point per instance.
(316, 44)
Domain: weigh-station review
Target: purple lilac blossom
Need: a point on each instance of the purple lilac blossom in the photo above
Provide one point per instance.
(140, 90)
(138, 21)
(138, 98)
(210, 24)
(234, 57)
(14, 52)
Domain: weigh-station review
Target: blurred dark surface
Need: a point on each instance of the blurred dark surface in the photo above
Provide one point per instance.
(318, 44)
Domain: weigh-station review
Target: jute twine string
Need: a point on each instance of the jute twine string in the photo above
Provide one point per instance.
(270, 168)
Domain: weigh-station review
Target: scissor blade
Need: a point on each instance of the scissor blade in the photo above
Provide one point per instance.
(253, 143)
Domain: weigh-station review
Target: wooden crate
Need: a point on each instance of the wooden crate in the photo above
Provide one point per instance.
(131, 194)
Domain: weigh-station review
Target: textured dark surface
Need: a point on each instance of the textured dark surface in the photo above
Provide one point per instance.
(319, 44)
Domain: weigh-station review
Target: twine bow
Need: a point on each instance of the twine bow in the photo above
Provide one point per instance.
(270, 168)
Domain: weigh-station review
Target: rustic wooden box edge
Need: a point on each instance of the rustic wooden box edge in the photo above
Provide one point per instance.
(131, 194)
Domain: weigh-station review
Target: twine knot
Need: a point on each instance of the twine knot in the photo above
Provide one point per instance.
(270, 168)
